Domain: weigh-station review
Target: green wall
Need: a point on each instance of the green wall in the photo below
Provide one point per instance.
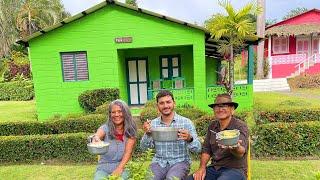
(95, 34)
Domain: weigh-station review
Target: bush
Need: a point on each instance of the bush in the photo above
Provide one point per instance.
(65, 147)
(150, 111)
(16, 91)
(290, 115)
(103, 109)
(287, 139)
(89, 123)
(91, 99)
(305, 81)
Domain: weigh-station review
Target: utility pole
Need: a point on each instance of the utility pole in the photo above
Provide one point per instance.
(261, 24)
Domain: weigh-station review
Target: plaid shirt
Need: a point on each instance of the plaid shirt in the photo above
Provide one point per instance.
(172, 152)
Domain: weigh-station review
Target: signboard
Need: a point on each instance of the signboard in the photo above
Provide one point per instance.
(123, 40)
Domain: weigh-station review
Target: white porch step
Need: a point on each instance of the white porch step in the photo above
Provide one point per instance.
(263, 85)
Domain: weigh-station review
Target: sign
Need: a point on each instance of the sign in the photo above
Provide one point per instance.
(123, 40)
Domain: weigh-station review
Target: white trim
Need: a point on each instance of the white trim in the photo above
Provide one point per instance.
(280, 37)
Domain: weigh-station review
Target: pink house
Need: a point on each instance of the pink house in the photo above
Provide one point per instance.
(292, 46)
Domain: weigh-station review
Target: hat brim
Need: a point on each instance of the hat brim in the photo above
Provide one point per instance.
(234, 104)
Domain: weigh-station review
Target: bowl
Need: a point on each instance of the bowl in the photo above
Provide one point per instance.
(228, 137)
(98, 148)
(164, 134)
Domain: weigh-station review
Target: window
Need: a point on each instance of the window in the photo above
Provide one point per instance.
(280, 45)
(170, 67)
(74, 66)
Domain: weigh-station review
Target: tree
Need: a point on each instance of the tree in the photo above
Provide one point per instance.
(20, 17)
(37, 14)
(132, 3)
(231, 31)
(295, 12)
(261, 25)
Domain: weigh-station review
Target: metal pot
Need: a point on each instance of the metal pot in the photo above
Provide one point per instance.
(100, 148)
(164, 134)
(228, 140)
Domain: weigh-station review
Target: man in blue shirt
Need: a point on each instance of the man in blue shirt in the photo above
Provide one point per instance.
(172, 158)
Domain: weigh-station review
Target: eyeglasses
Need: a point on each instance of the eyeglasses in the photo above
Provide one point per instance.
(221, 106)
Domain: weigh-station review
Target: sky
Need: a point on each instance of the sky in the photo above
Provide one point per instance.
(197, 11)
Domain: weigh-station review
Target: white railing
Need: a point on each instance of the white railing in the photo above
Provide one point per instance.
(305, 64)
(288, 59)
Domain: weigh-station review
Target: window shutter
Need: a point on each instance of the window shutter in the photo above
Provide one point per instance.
(68, 67)
(82, 66)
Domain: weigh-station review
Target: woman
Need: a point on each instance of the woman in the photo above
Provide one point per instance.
(120, 131)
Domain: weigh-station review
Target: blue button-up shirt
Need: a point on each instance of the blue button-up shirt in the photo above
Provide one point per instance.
(172, 152)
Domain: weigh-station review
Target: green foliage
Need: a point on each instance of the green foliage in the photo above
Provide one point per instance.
(305, 81)
(88, 123)
(64, 147)
(16, 91)
(150, 111)
(91, 99)
(265, 66)
(103, 109)
(139, 167)
(289, 115)
(287, 139)
(132, 2)
(317, 174)
(295, 12)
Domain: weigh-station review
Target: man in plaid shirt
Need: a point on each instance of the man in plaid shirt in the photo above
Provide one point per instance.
(172, 158)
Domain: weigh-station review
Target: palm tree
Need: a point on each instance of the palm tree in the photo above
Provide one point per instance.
(231, 31)
(36, 14)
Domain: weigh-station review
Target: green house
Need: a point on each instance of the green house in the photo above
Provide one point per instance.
(115, 45)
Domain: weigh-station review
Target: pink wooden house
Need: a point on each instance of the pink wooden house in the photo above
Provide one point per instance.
(292, 46)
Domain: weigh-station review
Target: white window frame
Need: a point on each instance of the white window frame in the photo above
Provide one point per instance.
(280, 38)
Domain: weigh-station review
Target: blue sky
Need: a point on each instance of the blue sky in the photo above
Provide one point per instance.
(199, 10)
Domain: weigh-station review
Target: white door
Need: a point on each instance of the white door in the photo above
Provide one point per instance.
(137, 81)
(303, 46)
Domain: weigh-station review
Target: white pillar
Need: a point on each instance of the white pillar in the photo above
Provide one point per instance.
(269, 58)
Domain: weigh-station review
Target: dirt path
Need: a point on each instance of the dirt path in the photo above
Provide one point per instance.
(302, 95)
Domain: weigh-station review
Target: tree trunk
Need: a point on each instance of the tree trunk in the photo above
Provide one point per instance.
(260, 33)
(231, 72)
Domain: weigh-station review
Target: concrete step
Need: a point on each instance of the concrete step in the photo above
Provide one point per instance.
(264, 85)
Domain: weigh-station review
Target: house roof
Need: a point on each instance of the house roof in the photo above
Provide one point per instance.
(210, 46)
(290, 27)
(296, 29)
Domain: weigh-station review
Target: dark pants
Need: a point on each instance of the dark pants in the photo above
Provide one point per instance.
(179, 170)
(222, 174)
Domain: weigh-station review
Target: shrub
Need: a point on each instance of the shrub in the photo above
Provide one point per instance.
(305, 81)
(65, 147)
(16, 91)
(287, 139)
(91, 99)
(290, 115)
(88, 123)
(103, 109)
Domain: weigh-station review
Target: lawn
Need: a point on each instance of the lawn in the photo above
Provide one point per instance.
(17, 111)
(274, 170)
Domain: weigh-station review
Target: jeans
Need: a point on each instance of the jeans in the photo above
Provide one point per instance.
(222, 174)
(102, 175)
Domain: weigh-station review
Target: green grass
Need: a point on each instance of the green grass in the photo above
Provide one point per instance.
(17, 111)
(278, 100)
(261, 170)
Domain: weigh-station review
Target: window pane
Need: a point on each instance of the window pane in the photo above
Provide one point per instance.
(134, 94)
(175, 72)
(132, 71)
(164, 62)
(143, 93)
(175, 61)
(82, 66)
(68, 67)
(165, 73)
(142, 70)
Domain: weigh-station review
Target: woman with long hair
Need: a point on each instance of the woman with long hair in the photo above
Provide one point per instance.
(120, 131)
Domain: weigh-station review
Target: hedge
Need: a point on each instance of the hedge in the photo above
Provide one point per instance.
(290, 115)
(89, 123)
(91, 99)
(305, 81)
(16, 91)
(65, 147)
(287, 139)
